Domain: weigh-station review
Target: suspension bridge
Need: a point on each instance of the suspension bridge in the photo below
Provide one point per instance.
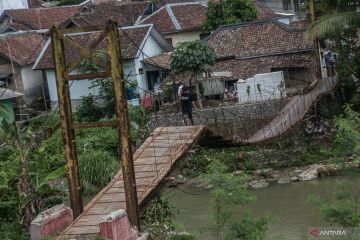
(158, 155)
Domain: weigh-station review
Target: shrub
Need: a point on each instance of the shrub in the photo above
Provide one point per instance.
(342, 210)
(49, 156)
(102, 139)
(181, 236)
(227, 156)
(87, 111)
(12, 231)
(228, 192)
(348, 136)
(96, 168)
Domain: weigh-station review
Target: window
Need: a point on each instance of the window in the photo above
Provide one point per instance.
(286, 5)
(141, 71)
(169, 41)
(164, 73)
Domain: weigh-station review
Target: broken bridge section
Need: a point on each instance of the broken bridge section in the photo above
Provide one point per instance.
(152, 161)
(293, 112)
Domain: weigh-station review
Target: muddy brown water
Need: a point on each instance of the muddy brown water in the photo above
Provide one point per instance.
(292, 215)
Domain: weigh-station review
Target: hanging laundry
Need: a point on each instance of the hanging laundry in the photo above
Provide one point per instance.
(146, 101)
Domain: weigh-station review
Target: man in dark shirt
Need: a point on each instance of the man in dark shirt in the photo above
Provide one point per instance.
(186, 108)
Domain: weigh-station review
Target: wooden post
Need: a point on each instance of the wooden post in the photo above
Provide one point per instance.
(122, 120)
(68, 134)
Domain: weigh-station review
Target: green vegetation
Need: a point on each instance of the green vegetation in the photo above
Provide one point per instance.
(343, 210)
(193, 58)
(338, 21)
(227, 156)
(87, 105)
(70, 2)
(334, 16)
(348, 133)
(228, 192)
(229, 12)
(96, 168)
(158, 219)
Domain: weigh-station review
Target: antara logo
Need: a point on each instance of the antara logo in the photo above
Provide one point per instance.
(314, 233)
(317, 233)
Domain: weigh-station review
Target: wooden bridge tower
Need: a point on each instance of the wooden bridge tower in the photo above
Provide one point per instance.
(60, 38)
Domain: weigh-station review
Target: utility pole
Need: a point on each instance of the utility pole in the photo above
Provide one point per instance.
(122, 119)
(312, 11)
(59, 37)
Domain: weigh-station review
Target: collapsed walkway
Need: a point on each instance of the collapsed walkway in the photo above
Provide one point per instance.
(152, 161)
(293, 112)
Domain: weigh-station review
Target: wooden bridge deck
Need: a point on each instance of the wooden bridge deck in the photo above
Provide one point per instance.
(293, 112)
(152, 162)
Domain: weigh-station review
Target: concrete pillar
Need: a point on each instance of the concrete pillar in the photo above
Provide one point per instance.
(116, 226)
(51, 222)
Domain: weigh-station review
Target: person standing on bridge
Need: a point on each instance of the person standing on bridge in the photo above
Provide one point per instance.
(186, 109)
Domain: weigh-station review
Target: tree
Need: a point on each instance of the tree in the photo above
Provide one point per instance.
(70, 2)
(229, 12)
(338, 21)
(343, 210)
(228, 192)
(334, 16)
(193, 58)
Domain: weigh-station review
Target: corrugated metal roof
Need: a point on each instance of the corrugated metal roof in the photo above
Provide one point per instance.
(6, 93)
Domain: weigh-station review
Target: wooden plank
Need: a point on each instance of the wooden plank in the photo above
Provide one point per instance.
(79, 230)
(148, 176)
(105, 208)
(112, 197)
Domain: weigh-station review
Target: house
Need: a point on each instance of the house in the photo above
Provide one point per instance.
(183, 21)
(18, 52)
(178, 22)
(6, 100)
(137, 42)
(35, 19)
(265, 46)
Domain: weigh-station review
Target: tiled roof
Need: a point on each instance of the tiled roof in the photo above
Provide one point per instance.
(41, 18)
(162, 60)
(267, 37)
(246, 68)
(126, 13)
(24, 47)
(6, 93)
(257, 47)
(129, 48)
(178, 17)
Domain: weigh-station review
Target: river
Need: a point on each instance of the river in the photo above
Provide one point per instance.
(286, 203)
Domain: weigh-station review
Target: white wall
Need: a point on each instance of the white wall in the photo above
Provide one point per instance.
(77, 89)
(276, 5)
(183, 37)
(271, 86)
(12, 4)
(32, 83)
(151, 48)
(82, 87)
